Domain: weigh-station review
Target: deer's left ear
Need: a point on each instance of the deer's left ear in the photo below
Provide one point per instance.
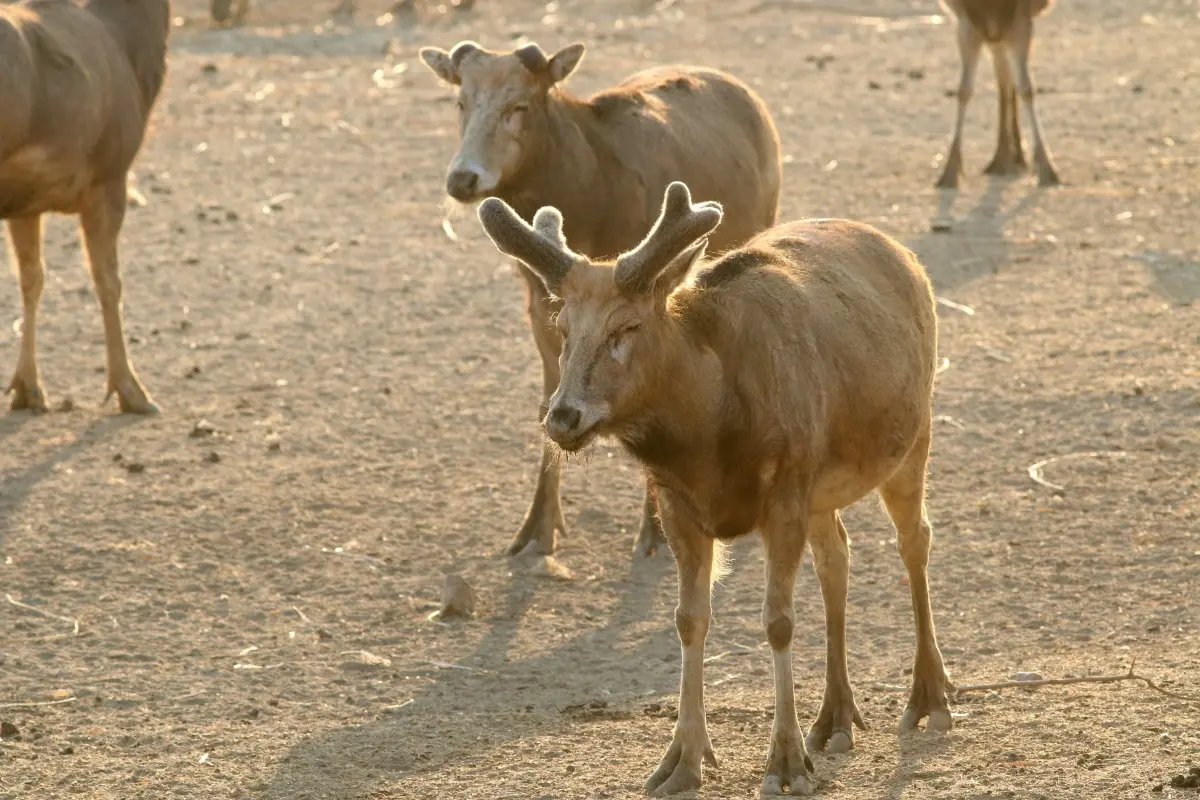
(677, 270)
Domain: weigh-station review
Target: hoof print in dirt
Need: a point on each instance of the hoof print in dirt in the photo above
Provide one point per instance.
(458, 598)
(9, 731)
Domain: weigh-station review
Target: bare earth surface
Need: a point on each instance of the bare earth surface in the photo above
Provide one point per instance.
(253, 600)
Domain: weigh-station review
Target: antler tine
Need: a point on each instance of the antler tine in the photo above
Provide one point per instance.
(680, 225)
(548, 221)
(542, 248)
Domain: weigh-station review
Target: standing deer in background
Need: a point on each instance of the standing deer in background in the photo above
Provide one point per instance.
(77, 84)
(1007, 28)
(772, 389)
(524, 139)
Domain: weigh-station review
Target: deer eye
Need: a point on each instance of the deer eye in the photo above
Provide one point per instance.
(620, 343)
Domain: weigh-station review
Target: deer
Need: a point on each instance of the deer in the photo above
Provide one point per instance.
(1006, 26)
(77, 85)
(762, 391)
(229, 12)
(525, 139)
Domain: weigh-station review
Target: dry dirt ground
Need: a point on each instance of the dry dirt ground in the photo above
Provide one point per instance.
(253, 604)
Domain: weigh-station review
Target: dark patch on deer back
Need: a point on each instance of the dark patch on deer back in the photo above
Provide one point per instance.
(732, 266)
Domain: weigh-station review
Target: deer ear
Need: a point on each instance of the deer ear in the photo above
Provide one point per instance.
(564, 62)
(442, 65)
(675, 272)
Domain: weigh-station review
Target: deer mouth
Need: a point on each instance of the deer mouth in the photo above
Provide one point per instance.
(576, 440)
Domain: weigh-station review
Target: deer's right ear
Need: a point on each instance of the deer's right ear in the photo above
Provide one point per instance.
(442, 64)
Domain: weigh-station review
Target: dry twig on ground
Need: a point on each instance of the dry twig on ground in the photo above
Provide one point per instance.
(12, 600)
(1035, 470)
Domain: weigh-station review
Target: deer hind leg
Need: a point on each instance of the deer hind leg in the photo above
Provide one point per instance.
(544, 518)
(1010, 156)
(788, 767)
(969, 45)
(102, 216)
(680, 768)
(833, 729)
(1019, 45)
(25, 235)
(904, 496)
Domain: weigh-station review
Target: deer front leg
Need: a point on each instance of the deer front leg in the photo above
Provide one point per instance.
(680, 769)
(969, 44)
(833, 729)
(101, 218)
(904, 496)
(788, 765)
(1019, 46)
(25, 235)
(544, 519)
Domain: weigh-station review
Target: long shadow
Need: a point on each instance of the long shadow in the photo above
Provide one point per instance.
(960, 249)
(17, 483)
(1176, 277)
(352, 760)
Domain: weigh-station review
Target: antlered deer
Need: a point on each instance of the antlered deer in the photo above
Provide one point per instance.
(77, 84)
(527, 141)
(775, 387)
(1007, 28)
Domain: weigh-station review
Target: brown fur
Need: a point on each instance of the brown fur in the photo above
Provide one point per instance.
(1006, 27)
(77, 85)
(616, 150)
(782, 383)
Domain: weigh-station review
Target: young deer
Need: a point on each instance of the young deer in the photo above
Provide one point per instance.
(779, 385)
(77, 84)
(1007, 28)
(524, 139)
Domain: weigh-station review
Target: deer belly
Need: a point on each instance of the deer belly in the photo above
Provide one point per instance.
(33, 181)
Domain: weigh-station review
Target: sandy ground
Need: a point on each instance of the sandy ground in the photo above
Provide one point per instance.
(253, 604)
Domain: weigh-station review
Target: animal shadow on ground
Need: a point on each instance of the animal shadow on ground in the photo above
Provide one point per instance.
(351, 760)
(975, 244)
(16, 485)
(1176, 277)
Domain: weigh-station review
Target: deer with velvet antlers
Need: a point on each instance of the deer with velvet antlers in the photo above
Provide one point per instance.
(762, 392)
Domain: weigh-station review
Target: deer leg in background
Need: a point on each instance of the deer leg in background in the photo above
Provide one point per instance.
(102, 215)
(833, 729)
(1019, 45)
(788, 765)
(679, 769)
(1010, 156)
(969, 45)
(904, 496)
(650, 535)
(25, 234)
(544, 517)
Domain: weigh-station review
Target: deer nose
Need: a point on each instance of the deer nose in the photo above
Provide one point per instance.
(462, 184)
(562, 421)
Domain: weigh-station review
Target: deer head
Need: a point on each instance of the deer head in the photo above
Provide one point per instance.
(615, 317)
